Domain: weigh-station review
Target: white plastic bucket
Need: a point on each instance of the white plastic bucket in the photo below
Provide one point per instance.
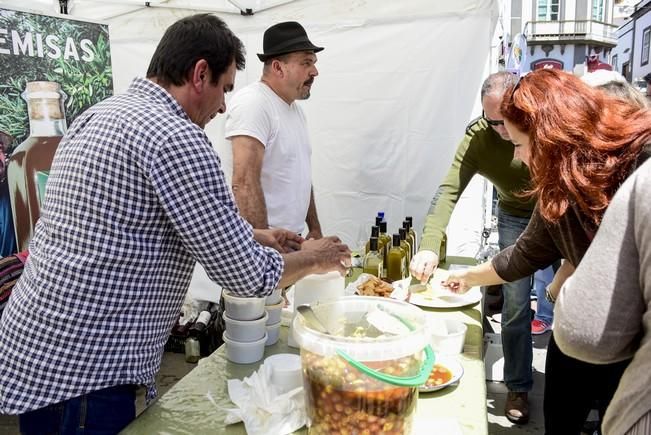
(342, 388)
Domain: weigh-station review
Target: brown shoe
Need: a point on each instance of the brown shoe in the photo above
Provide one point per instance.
(516, 408)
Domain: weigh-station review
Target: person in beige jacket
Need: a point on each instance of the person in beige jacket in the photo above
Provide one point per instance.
(603, 312)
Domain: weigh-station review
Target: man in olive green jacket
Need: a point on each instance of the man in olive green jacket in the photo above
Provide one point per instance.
(486, 149)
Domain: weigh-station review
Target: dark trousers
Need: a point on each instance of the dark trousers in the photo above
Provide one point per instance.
(573, 388)
(102, 412)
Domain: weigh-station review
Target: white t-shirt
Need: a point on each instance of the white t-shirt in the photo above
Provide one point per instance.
(286, 178)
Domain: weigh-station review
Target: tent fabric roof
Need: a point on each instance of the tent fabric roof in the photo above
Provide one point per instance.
(398, 83)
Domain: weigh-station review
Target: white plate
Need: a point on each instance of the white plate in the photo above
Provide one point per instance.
(435, 296)
(450, 363)
(452, 300)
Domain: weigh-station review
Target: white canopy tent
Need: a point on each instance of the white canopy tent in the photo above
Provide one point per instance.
(399, 81)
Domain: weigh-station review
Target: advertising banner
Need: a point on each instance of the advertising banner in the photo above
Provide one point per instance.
(517, 55)
(52, 68)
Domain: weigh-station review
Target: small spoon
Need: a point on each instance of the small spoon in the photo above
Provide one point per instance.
(312, 319)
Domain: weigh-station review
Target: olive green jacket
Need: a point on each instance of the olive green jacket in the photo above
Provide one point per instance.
(482, 151)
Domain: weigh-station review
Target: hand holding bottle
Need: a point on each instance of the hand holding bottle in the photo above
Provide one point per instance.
(423, 264)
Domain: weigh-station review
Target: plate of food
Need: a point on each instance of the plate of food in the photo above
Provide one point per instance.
(447, 371)
(434, 295)
(370, 285)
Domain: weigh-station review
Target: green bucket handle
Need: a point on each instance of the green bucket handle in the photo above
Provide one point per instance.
(402, 381)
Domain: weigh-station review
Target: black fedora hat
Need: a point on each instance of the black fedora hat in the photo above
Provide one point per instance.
(283, 38)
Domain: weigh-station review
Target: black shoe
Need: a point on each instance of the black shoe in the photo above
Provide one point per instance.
(516, 408)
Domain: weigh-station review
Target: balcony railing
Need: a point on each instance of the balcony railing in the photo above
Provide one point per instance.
(587, 31)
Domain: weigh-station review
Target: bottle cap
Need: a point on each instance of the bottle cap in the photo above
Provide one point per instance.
(375, 231)
(403, 233)
(396, 240)
(373, 244)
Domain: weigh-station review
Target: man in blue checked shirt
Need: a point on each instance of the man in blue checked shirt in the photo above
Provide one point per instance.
(135, 197)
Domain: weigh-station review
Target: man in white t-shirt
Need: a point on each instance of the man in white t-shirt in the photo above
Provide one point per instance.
(272, 171)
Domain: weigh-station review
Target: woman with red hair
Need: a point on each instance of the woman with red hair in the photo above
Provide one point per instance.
(580, 145)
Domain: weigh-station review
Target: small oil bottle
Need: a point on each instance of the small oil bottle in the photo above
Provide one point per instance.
(396, 257)
(375, 232)
(412, 233)
(373, 262)
(384, 244)
(192, 345)
(405, 245)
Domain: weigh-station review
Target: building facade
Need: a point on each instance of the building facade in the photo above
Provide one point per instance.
(631, 56)
(573, 35)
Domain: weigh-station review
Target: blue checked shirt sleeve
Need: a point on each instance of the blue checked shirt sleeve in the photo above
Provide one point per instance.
(187, 176)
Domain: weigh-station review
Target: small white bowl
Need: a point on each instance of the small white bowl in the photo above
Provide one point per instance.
(244, 353)
(240, 308)
(447, 336)
(275, 297)
(274, 312)
(273, 332)
(286, 371)
(245, 330)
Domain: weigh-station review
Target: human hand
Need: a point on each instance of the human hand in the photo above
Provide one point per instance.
(280, 239)
(314, 234)
(562, 274)
(329, 253)
(457, 282)
(423, 264)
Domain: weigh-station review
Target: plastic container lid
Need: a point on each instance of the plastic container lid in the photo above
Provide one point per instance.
(322, 276)
(347, 319)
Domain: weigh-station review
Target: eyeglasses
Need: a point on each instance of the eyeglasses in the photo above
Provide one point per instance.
(492, 122)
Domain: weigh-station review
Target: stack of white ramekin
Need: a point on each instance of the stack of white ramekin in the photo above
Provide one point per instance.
(251, 323)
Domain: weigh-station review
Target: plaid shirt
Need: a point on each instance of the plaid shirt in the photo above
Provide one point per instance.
(136, 194)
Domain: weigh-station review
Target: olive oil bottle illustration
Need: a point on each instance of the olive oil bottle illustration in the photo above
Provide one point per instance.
(30, 162)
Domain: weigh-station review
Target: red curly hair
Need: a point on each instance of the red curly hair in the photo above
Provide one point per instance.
(583, 142)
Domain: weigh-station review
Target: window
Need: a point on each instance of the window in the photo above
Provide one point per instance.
(548, 10)
(598, 10)
(613, 62)
(646, 38)
(626, 70)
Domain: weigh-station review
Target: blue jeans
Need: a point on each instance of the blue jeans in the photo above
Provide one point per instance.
(545, 311)
(516, 313)
(102, 412)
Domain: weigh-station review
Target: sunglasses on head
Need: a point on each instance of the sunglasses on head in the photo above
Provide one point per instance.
(492, 122)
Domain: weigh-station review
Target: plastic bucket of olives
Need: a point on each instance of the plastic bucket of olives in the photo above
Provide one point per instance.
(363, 376)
